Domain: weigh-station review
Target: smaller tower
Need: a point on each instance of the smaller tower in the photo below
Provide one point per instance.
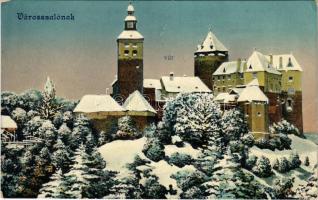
(130, 58)
(208, 57)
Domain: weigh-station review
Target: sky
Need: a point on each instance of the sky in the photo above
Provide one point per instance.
(80, 55)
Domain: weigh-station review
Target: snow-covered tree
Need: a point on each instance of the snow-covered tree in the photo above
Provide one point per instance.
(263, 167)
(19, 115)
(154, 150)
(47, 132)
(234, 124)
(61, 156)
(81, 129)
(77, 177)
(32, 126)
(153, 190)
(284, 165)
(306, 163)
(127, 128)
(294, 160)
(283, 188)
(251, 162)
(276, 164)
(54, 188)
(128, 188)
(230, 182)
(195, 118)
(48, 106)
(180, 159)
(64, 133)
(284, 127)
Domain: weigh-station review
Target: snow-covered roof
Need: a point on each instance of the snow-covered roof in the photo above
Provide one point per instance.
(289, 62)
(184, 84)
(259, 62)
(130, 8)
(98, 103)
(130, 34)
(236, 90)
(252, 92)
(230, 67)
(152, 83)
(8, 122)
(130, 18)
(136, 104)
(114, 81)
(211, 43)
(225, 97)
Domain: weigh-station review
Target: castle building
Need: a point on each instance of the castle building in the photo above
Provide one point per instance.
(130, 59)
(279, 78)
(208, 57)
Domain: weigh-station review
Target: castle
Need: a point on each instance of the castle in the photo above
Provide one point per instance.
(266, 87)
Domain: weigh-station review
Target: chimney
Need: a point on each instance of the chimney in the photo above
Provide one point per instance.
(171, 76)
(271, 59)
(280, 62)
(239, 63)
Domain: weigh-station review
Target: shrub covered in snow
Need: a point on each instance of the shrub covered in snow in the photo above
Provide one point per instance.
(153, 190)
(309, 190)
(154, 150)
(188, 179)
(294, 160)
(251, 162)
(284, 127)
(283, 188)
(180, 159)
(283, 165)
(279, 141)
(263, 167)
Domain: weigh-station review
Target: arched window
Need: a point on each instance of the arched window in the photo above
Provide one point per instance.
(134, 52)
(126, 52)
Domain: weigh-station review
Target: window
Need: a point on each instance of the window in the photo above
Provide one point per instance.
(134, 52)
(250, 67)
(291, 91)
(229, 77)
(126, 52)
(254, 74)
(130, 24)
(290, 79)
(241, 75)
(289, 105)
(259, 114)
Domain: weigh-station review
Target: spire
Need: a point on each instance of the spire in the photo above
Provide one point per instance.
(211, 43)
(130, 9)
(130, 20)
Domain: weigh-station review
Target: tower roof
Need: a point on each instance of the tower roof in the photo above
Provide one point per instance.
(130, 8)
(258, 62)
(252, 92)
(136, 104)
(210, 44)
(285, 62)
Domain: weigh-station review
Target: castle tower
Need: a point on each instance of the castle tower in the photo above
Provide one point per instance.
(130, 58)
(208, 57)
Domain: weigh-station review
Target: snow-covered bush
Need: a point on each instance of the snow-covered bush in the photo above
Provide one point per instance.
(309, 190)
(187, 179)
(279, 141)
(180, 159)
(294, 160)
(248, 139)
(20, 116)
(284, 127)
(64, 133)
(283, 188)
(195, 118)
(138, 161)
(283, 165)
(251, 162)
(154, 150)
(193, 193)
(153, 190)
(263, 167)
(206, 161)
(127, 128)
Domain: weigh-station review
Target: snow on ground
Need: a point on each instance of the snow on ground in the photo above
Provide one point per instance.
(164, 170)
(120, 152)
(186, 149)
(302, 146)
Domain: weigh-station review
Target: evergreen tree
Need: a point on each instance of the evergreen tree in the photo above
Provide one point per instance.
(64, 133)
(306, 161)
(263, 167)
(283, 188)
(54, 188)
(284, 165)
(154, 150)
(61, 156)
(48, 106)
(276, 164)
(294, 160)
(153, 190)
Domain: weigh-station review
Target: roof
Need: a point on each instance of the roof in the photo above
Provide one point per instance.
(152, 83)
(130, 34)
(289, 62)
(184, 84)
(211, 43)
(137, 104)
(225, 97)
(130, 8)
(230, 68)
(8, 122)
(130, 18)
(252, 92)
(258, 62)
(98, 103)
